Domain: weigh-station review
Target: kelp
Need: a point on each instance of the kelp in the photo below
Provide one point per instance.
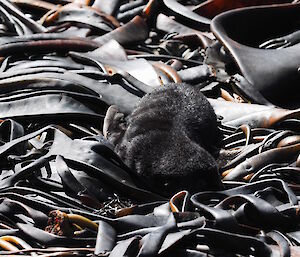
(71, 75)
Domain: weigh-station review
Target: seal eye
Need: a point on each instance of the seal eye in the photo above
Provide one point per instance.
(248, 166)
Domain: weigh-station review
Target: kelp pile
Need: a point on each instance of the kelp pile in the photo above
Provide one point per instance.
(65, 192)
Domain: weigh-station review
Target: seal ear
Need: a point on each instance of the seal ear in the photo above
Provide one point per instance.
(114, 125)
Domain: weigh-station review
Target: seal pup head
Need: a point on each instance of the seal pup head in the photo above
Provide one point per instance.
(170, 140)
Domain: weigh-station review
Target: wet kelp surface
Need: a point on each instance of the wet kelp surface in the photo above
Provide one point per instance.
(64, 189)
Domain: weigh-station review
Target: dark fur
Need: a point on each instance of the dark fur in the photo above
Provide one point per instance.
(171, 139)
